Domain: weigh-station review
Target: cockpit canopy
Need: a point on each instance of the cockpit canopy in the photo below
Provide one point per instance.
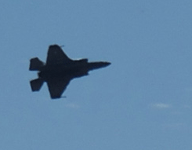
(84, 60)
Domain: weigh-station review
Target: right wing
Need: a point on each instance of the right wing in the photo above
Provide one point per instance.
(56, 55)
(57, 86)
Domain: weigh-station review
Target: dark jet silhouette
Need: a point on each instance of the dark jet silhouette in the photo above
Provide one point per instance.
(59, 70)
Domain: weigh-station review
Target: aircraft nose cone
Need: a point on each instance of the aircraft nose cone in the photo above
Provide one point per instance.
(106, 63)
(97, 65)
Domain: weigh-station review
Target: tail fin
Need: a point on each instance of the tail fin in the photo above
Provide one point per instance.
(36, 84)
(35, 64)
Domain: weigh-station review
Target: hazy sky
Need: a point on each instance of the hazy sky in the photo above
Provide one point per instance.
(143, 101)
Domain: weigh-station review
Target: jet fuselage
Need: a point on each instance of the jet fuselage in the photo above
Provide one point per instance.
(77, 68)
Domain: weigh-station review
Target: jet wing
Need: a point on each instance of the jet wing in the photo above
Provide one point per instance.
(57, 86)
(56, 56)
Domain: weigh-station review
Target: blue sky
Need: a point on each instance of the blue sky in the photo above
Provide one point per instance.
(142, 101)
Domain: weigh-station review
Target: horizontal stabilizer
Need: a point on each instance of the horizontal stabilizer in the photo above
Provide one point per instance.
(36, 84)
(35, 64)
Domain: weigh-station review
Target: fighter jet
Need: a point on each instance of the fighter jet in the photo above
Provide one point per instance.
(59, 70)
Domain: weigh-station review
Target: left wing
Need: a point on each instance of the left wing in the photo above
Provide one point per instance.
(57, 86)
(56, 55)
